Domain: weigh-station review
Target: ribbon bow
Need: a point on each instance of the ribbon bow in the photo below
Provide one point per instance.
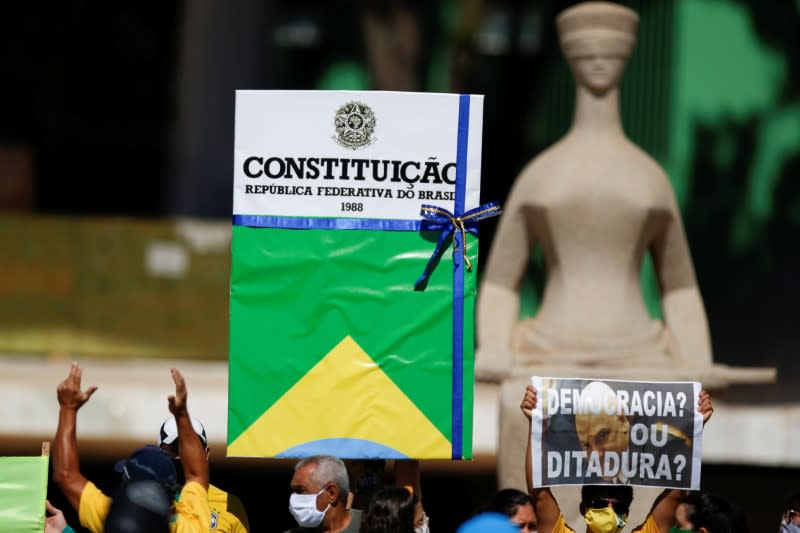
(446, 223)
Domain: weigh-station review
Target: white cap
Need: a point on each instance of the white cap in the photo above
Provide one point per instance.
(169, 431)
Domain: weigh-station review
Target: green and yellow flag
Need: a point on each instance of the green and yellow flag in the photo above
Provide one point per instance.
(351, 322)
(23, 490)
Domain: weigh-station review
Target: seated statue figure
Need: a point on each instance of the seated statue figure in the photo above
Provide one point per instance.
(595, 204)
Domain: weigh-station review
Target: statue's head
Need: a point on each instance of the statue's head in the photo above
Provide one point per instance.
(597, 38)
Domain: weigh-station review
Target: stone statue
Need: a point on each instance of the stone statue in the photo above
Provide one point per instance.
(595, 203)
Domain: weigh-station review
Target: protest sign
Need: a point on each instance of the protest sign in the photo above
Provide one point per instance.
(606, 431)
(351, 322)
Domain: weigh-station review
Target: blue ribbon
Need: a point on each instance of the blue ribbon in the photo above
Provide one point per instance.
(446, 223)
(457, 403)
(456, 226)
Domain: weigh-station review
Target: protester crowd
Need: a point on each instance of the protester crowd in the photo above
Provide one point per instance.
(165, 487)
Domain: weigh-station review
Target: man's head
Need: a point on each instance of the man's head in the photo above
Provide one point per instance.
(149, 463)
(605, 507)
(140, 507)
(599, 424)
(168, 436)
(319, 484)
(517, 505)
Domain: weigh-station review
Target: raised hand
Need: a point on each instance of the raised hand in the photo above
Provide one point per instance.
(705, 406)
(177, 401)
(194, 458)
(529, 401)
(70, 395)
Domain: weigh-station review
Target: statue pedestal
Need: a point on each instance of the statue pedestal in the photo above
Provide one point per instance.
(513, 427)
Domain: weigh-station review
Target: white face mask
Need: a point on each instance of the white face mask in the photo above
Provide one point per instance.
(304, 509)
(789, 527)
(423, 527)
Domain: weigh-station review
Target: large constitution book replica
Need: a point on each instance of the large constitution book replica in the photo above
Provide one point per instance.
(353, 276)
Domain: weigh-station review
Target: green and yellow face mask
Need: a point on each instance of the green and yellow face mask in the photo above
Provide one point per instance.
(605, 520)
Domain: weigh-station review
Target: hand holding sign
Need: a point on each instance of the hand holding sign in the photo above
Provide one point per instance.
(528, 401)
(705, 406)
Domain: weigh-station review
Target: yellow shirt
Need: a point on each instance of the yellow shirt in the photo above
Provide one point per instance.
(561, 526)
(191, 513)
(649, 526)
(222, 520)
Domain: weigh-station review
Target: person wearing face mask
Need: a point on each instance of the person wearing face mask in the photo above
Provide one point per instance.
(790, 521)
(320, 488)
(604, 507)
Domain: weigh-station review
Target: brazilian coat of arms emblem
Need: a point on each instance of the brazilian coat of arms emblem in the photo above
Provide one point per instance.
(355, 124)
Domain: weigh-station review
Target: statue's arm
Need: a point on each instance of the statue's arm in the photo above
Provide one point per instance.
(681, 302)
(498, 297)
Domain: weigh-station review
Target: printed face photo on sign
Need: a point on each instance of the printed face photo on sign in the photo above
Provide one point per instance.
(605, 431)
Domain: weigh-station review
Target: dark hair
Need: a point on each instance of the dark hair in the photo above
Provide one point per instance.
(792, 502)
(391, 510)
(620, 492)
(508, 501)
(715, 513)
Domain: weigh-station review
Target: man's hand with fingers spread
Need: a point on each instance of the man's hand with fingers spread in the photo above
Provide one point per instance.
(194, 460)
(66, 466)
(70, 395)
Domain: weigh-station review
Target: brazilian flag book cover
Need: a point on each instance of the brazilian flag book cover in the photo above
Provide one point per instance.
(353, 274)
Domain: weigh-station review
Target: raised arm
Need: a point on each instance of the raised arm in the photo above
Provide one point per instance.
(663, 510)
(66, 466)
(544, 504)
(193, 454)
(681, 301)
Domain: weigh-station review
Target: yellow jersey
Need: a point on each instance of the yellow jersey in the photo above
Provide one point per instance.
(191, 511)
